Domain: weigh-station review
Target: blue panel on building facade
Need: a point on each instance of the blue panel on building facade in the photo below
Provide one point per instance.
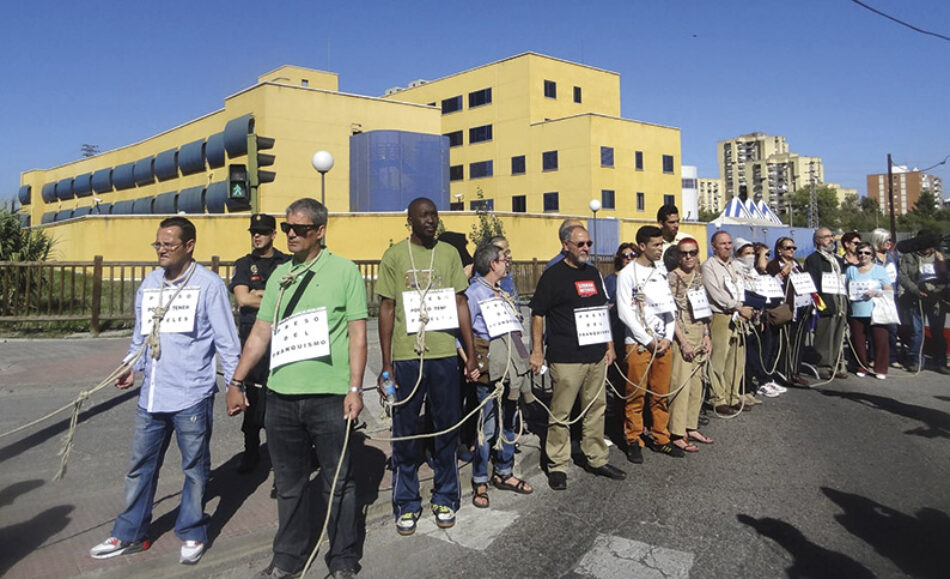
(48, 217)
(142, 205)
(82, 185)
(165, 203)
(214, 150)
(215, 197)
(235, 135)
(192, 200)
(191, 157)
(388, 169)
(64, 189)
(166, 165)
(25, 220)
(102, 209)
(122, 207)
(122, 176)
(102, 181)
(24, 195)
(63, 215)
(606, 235)
(49, 192)
(142, 172)
(80, 211)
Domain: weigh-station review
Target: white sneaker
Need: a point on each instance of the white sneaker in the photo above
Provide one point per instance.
(768, 390)
(881, 376)
(113, 547)
(860, 374)
(191, 551)
(778, 387)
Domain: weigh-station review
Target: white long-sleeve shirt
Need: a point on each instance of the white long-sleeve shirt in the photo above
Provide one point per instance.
(649, 286)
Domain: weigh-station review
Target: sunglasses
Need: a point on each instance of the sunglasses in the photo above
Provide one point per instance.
(864, 253)
(300, 229)
(629, 256)
(584, 244)
(166, 246)
(693, 253)
(787, 247)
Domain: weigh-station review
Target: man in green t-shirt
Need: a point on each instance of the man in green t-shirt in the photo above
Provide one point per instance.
(422, 278)
(313, 314)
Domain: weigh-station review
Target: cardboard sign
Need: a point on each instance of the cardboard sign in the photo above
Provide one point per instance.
(803, 284)
(499, 318)
(180, 315)
(302, 336)
(440, 306)
(593, 325)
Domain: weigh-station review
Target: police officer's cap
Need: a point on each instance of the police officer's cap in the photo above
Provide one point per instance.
(262, 222)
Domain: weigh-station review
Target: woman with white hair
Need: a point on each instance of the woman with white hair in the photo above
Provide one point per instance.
(886, 257)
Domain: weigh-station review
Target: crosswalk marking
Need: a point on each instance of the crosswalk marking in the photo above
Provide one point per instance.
(614, 557)
(474, 529)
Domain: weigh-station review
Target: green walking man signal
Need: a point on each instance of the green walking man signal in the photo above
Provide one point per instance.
(237, 183)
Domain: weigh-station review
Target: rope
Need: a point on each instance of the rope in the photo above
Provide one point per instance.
(336, 477)
(499, 390)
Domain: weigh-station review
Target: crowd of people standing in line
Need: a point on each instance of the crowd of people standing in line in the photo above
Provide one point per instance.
(662, 326)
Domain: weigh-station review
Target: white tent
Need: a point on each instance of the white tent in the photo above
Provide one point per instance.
(739, 213)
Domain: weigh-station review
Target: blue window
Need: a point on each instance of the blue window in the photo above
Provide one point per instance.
(669, 200)
(479, 134)
(479, 98)
(517, 165)
(577, 94)
(607, 199)
(456, 172)
(606, 156)
(455, 138)
(667, 163)
(480, 169)
(550, 89)
(549, 161)
(482, 205)
(519, 204)
(639, 161)
(641, 202)
(551, 201)
(450, 105)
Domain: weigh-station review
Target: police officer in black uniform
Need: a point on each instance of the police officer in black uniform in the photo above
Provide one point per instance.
(247, 284)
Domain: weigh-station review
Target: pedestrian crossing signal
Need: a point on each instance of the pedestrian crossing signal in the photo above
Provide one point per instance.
(237, 183)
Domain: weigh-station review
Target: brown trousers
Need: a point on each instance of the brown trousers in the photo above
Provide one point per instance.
(658, 380)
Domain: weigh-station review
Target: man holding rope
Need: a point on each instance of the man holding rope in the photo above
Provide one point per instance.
(421, 287)
(647, 309)
(182, 317)
(571, 297)
(313, 317)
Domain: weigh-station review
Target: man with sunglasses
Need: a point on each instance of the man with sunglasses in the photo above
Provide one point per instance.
(317, 301)
(183, 317)
(251, 273)
(571, 297)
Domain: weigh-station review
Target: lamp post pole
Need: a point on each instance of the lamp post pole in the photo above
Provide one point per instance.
(594, 207)
(322, 161)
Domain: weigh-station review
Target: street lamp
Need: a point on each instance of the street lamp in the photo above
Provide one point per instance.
(322, 161)
(594, 207)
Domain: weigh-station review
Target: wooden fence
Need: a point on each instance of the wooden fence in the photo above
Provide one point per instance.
(101, 291)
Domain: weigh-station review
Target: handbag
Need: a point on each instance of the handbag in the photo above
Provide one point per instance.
(778, 316)
(884, 310)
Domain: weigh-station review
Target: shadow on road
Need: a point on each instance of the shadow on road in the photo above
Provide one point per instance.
(916, 544)
(935, 422)
(41, 436)
(9, 494)
(21, 539)
(810, 560)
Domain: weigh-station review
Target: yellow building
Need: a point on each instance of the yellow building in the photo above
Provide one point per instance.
(561, 119)
(542, 135)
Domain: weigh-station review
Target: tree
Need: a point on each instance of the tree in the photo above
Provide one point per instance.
(488, 225)
(860, 215)
(18, 244)
(828, 213)
(707, 216)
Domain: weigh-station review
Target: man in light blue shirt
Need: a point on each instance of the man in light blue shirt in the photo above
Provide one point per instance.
(178, 388)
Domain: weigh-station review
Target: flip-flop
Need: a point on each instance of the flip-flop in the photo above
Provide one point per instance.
(500, 482)
(687, 447)
(699, 437)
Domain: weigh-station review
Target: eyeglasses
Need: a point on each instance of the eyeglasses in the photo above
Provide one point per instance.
(584, 244)
(692, 253)
(629, 255)
(864, 253)
(787, 247)
(300, 229)
(166, 246)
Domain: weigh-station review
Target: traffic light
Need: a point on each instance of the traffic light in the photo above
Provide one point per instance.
(238, 187)
(256, 159)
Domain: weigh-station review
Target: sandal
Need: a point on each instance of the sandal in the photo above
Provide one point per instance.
(698, 437)
(480, 497)
(503, 483)
(685, 445)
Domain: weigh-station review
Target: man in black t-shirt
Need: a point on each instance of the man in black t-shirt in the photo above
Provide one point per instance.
(568, 291)
(247, 284)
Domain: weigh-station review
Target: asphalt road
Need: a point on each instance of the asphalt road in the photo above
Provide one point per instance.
(847, 480)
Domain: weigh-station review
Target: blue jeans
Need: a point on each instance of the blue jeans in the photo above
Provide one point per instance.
(936, 319)
(503, 459)
(440, 383)
(153, 433)
(294, 424)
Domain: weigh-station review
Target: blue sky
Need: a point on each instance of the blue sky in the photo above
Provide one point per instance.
(838, 81)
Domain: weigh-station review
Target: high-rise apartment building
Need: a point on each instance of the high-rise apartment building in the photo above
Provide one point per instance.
(538, 134)
(760, 167)
(907, 185)
(710, 194)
